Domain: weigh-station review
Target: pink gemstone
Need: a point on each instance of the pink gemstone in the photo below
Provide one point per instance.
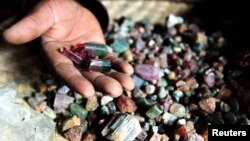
(72, 56)
(167, 102)
(147, 72)
(79, 49)
(125, 104)
(62, 102)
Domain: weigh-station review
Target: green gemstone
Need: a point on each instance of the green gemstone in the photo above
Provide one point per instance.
(153, 98)
(177, 93)
(49, 112)
(105, 110)
(95, 49)
(154, 111)
(99, 65)
(199, 47)
(154, 129)
(143, 101)
(163, 82)
(162, 93)
(120, 45)
(146, 126)
(76, 109)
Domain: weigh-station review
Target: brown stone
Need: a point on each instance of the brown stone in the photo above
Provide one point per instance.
(207, 105)
(92, 103)
(125, 104)
(74, 134)
(74, 121)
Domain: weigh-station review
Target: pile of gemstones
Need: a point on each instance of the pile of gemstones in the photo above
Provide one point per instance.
(180, 86)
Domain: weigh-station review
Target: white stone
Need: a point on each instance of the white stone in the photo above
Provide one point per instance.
(106, 99)
(19, 123)
(150, 89)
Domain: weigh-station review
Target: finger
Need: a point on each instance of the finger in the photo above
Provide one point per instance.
(125, 80)
(120, 65)
(30, 27)
(104, 83)
(67, 71)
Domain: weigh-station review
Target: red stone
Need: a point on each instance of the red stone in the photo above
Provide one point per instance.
(125, 104)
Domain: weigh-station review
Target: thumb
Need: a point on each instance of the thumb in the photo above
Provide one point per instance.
(31, 26)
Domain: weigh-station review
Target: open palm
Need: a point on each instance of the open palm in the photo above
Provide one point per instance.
(62, 24)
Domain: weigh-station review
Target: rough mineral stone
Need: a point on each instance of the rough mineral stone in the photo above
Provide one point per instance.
(177, 109)
(92, 103)
(62, 102)
(147, 72)
(168, 117)
(150, 89)
(69, 123)
(125, 104)
(138, 81)
(26, 124)
(106, 99)
(120, 45)
(122, 127)
(207, 105)
(63, 90)
(49, 112)
(76, 109)
(74, 134)
(154, 111)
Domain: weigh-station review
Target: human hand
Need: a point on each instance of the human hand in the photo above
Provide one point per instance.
(62, 24)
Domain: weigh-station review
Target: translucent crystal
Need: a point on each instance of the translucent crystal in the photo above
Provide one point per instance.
(147, 72)
(98, 65)
(72, 56)
(122, 127)
(76, 109)
(62, 102)
(85, 56)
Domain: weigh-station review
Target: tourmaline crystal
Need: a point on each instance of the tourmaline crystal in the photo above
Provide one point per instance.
(72, 56)
(147, 72)
(154, 111)
(85, 56)
(122, 127)
(94, 49)
(125, 104)
(98, 65)
(177, 109)
(49, 112)
(120, 45)
(62, 102)
(76, 109)
(138, 81)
